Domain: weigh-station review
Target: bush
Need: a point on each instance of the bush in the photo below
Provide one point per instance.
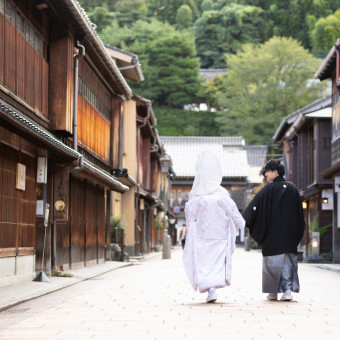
(158, 224)
(117, 222)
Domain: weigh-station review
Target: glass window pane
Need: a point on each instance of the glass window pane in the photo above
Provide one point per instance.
(32, 36)
(28, 31)
(38, 43)
(20, 24)
(10, 12)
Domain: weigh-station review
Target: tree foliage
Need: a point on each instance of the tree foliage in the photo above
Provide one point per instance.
(225, 30)
(174, 38)
(167, 57)
(233, 23)
(263, 84)
(326, 31)
(184, 17)
(176, 122)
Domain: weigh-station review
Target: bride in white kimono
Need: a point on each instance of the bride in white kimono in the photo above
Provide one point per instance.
(211, 218)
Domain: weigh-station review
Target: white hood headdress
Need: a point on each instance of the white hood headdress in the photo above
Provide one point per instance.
(208, 173)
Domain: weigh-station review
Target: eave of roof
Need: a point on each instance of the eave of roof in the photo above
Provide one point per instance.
(32, 129)
(146, 102)
(325, 70)
(128, 63)
(300, 121)
(314, 189)
(291, 118)
(323, 113)
(113, 182)
(329, 172)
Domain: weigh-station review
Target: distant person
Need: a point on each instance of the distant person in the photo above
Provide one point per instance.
(183, 235)
(211, 219)
(276, 222)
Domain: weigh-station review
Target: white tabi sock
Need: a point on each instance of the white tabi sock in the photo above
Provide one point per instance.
(211, 291)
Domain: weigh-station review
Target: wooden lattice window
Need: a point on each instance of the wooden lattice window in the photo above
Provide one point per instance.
(20, 24)
(10, 12)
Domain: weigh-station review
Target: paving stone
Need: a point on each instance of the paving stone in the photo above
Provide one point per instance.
(154, 300)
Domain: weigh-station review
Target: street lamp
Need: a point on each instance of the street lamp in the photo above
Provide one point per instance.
(165, 161)
(172, 220)
(315, 243)
(172, 230)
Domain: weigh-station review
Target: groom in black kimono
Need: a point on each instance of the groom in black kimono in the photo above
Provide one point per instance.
(276, 222)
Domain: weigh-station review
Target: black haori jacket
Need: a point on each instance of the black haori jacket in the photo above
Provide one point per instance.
(275, 218)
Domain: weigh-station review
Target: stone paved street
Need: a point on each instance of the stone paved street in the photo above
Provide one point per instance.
(154, 300)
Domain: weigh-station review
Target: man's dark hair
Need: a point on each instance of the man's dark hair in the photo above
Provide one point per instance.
(274, 164)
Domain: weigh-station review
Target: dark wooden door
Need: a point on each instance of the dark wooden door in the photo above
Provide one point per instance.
(17, 207)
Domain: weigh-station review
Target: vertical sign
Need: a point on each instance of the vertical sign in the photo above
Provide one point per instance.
(42, 170)
(61, 193)
(21, 177)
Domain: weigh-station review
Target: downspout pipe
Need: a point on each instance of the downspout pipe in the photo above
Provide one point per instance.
(81, 54)
(138, 179)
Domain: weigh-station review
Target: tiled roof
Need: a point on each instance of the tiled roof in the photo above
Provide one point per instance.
(127, 62)
(325, 70)
(291, 118)
(210, 74)
(184, 151)
(47, 138)
(256, 154)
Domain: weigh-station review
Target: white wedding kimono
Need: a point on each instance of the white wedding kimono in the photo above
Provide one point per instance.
(211, 221)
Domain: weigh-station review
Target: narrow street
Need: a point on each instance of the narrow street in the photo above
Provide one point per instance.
(154, 300)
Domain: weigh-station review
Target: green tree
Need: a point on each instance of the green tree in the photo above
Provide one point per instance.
(207, 5)
(224, 31)
(167, 57)
(102, 13)
(263, 84)
(176, 122)
(129, 11)
(166, 10)
(101, 16)
(184, 17)
(289, 18)
(326, 31)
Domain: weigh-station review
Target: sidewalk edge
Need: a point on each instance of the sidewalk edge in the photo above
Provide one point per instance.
(52, 290)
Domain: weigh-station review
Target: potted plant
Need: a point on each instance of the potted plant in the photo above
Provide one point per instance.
(158, 224)
(116, 222)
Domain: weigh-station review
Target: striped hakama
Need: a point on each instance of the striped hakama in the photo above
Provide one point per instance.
(279, 274)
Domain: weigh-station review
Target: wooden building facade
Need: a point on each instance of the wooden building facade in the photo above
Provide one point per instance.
(142, 173)
(150, 189)
(142, 151)
(330, 70)
(61, 101)
(305, 139)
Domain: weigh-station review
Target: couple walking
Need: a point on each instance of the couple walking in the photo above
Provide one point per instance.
(274, 218)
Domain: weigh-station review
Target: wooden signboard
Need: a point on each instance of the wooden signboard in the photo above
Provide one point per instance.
(61, 193)
(21, 177)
